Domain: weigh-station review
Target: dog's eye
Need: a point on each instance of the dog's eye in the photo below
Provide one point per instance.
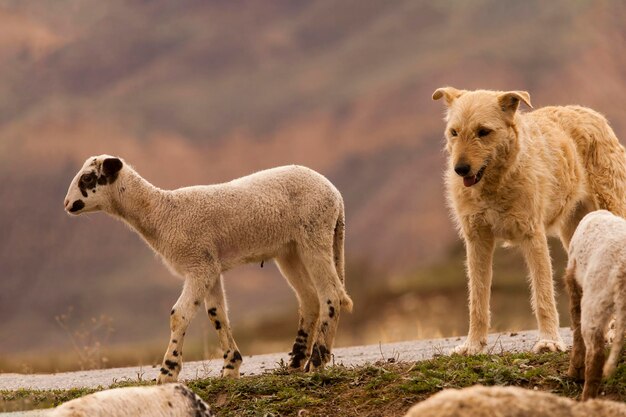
(483, 132)
(88, 180)
(453, 132)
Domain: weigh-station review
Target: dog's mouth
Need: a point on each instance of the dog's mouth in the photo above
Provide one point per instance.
(474, 179)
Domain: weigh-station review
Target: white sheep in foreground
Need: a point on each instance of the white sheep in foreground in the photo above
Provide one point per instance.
(291, 214)
(169, 400)
(479, 401)
(596, 282)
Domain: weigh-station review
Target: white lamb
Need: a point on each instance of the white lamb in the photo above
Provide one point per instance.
(169, 400)
(291, 214)
(596, 282)
(479, 401)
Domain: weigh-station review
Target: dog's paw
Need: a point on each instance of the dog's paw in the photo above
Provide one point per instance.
(610, 333)
(546, 345)
(468, 349)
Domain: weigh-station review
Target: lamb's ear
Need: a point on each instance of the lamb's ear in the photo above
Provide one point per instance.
(110, 168)
(509, 101)
(449, 93)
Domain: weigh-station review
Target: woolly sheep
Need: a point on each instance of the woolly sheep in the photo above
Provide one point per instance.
(479, 401)
(290, 214)
(596, 282)
(169, 400)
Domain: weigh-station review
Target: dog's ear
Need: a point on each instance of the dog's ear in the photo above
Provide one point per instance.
(509, 101)
(449, 93)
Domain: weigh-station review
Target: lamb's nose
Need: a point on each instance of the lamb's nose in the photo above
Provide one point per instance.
(462, 169)
(66, 202)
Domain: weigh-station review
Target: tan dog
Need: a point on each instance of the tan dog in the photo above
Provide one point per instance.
(518, 178)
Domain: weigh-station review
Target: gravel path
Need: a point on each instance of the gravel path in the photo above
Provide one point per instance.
(253, 365)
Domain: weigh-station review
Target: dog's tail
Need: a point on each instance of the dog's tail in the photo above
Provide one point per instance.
(620, 325)
(604, 159)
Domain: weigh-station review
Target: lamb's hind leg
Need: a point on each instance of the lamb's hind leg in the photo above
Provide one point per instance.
(577, 357)
(294, 271)
(215, 303)
(595, 315)
(181, 315)
(322, 271)
(594, 361)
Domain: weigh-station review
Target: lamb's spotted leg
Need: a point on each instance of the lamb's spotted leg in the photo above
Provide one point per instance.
(181, 315)
(294, 271)
(329, 288)
(216, 309)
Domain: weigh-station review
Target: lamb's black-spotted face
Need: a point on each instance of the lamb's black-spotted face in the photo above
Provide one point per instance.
(87, 190)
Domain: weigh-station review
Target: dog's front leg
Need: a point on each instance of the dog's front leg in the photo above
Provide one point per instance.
(537, 256)
(479, 244)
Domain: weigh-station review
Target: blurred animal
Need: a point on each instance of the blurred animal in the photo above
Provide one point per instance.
(479, 401)
(170, 400)
(518, 178)
(596, 282)
(291, 214)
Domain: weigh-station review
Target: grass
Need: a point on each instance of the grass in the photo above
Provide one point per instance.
(381, 389)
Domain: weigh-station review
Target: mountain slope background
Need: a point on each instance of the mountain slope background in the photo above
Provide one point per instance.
(205, 91)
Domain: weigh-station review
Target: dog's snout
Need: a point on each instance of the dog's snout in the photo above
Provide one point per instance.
(462, 169)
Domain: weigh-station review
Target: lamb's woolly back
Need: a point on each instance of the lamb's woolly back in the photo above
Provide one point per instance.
(479, 401)
(598, 255)
(291, 214)
(596, 282)
(170, 400)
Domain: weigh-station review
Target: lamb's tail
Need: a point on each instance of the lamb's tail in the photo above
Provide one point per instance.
(620, 329)
(338, 253)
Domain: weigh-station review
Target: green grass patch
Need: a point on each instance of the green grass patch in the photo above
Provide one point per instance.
(381, 389)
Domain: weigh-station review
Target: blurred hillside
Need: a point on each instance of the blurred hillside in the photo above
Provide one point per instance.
(204, 91)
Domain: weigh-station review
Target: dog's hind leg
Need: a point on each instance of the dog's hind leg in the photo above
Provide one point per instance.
(569, 226)
(537, 257)
(480, 244)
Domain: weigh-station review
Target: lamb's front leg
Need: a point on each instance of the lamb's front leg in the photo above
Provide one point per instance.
(479, 243)
(181, 315)
(215, 303)
(535, 250)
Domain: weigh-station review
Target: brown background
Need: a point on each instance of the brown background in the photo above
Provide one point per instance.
(198, 92)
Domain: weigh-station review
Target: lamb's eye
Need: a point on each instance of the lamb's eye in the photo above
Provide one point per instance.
(483, 132)
(453, 132)
(88, 180)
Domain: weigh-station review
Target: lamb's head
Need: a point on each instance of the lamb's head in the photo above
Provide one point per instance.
(91, 187)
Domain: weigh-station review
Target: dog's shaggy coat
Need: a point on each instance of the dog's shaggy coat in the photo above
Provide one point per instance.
(518, 178)
(596, 282)
(479, 401)
(291, 214)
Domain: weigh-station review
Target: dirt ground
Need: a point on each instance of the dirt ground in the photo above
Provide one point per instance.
(358, 355)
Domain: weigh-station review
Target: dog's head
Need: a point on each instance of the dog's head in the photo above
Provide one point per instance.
(479, 126)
